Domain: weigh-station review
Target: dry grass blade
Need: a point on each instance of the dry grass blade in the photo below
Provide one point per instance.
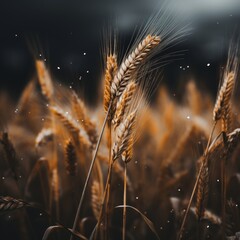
(70, 158)
(123, 103)
(44, 80)
(130, 64)
(111, 70)
(124, 136)
(8, 204)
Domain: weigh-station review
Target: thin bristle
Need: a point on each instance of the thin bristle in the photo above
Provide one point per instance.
(123, 103)
(71, 158)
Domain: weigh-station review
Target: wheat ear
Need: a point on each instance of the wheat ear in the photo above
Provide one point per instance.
(8, 203)
(123, 103)
(111, 70)
(45, 136)
(130, 64)
(202, 190)
(70, 158)
(44, 80)
(96, 199)
(124, 136)
(84, 120)
(222, 105)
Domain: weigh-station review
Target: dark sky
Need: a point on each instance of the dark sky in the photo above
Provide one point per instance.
(68, 35)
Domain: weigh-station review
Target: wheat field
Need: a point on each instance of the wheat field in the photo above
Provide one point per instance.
(126, 169)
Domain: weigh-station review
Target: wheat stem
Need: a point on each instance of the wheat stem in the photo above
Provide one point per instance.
(89, 172)
(124, 202)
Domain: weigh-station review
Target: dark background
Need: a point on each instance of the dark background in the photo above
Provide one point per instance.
(68, 35)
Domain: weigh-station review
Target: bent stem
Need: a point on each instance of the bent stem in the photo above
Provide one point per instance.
(90, 172)
(195, 185)
(124, 202)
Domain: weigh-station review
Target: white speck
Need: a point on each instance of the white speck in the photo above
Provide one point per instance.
(40, 214)
(137, 198)
(87, 71)
(208, 64)
(3, 178)
(44, 59)
(187, 66)
(179, 190)
(80, 78)
(168, 221)
(218, 180)
(43, 119)
(58, 68)
(136, 162)
(70, 87)
(70, 63)
(236, 205)
(180, 67)
(188, 117)
(184, 69)
(161, 228)
(207, 226)
(16, 110)
(20, 176)
(84, 54)
(15, 35)
(217, 23)
(66, 113)
(40, 55)
(9, 216)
